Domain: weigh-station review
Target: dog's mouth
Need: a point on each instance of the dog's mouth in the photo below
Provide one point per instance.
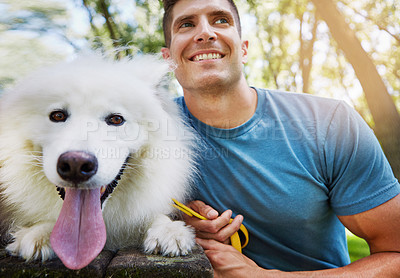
(79, 234)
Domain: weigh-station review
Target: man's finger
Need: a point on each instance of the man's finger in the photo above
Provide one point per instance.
(210, 244)
(215, 225)
(223, 235)
(205, 210)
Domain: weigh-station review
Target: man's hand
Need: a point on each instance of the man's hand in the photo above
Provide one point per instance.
(227, 261)
(217, 227)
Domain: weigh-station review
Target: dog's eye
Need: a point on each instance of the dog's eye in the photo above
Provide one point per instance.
(58, 116)
(115, 119)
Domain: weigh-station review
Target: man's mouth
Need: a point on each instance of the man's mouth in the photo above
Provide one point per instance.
(206, 56)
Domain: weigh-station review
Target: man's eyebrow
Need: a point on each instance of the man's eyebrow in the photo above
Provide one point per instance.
(221, 12)
(183, 18)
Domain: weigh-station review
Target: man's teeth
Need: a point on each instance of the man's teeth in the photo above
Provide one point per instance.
(209, 56)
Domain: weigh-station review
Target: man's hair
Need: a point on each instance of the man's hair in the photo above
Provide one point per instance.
(167, 19)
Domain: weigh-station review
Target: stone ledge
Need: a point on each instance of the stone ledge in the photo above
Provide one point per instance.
(124, 263)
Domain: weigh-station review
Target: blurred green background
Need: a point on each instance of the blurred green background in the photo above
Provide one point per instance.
(358, 248)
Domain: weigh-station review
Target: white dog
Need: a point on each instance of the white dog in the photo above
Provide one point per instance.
(91, 153)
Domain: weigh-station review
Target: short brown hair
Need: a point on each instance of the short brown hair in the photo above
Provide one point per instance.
(167, 19)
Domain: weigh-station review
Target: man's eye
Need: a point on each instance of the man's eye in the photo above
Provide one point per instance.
(115, 119)
(186, 25)
(58, 116)
(221, 21)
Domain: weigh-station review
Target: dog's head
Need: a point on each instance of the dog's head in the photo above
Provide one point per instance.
(83, 120)
(88, 115)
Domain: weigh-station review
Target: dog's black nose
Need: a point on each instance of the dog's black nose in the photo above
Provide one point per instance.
(76, 166)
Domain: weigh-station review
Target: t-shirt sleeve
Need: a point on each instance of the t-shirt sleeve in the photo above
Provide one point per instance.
(358, 174)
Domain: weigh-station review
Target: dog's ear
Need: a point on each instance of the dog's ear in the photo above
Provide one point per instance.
(152, 68)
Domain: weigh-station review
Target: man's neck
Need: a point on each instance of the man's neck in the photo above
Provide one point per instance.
(223, 108)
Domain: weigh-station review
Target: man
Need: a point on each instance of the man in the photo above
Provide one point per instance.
(297, 167)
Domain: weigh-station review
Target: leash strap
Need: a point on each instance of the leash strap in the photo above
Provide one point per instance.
(235, 238)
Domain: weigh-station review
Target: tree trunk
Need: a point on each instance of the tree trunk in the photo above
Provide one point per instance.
(380, 103)
(306, 53)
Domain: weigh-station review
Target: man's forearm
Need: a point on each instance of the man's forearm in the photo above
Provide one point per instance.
(386, 264)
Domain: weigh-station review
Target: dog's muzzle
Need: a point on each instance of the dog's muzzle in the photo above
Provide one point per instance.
(79, 166)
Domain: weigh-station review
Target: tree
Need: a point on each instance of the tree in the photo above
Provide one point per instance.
(306, 50)
(380, 103)
(143, 32)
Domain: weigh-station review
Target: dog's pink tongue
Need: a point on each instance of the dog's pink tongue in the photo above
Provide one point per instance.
(79, 234)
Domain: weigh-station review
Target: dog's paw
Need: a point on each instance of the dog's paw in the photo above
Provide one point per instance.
(32, 243)
(169, 238)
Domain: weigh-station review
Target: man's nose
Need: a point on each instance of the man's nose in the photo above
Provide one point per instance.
(205, 32)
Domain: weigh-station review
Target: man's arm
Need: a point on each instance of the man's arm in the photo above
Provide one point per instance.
(380, 227)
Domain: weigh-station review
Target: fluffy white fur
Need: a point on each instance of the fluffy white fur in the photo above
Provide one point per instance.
(159, 167)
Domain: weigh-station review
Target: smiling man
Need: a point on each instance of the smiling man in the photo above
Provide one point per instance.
(206, 46)
(298, 168)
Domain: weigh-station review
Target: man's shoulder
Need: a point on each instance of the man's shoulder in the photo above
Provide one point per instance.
(299, 105)
(302, 97)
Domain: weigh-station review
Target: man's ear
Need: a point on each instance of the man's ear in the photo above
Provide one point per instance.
(165, 53)
(245, 46)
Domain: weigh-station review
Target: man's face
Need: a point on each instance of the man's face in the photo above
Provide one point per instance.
(205, 44)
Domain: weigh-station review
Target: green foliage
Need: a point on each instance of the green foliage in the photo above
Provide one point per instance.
(276, 42)
(377, 25)
(39, 16)
(358, 248)
(112, 27)
(24, 26)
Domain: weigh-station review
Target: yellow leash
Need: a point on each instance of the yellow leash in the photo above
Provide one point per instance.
(235, 238)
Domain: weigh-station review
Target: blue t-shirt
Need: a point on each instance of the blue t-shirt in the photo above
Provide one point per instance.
(296, 164)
